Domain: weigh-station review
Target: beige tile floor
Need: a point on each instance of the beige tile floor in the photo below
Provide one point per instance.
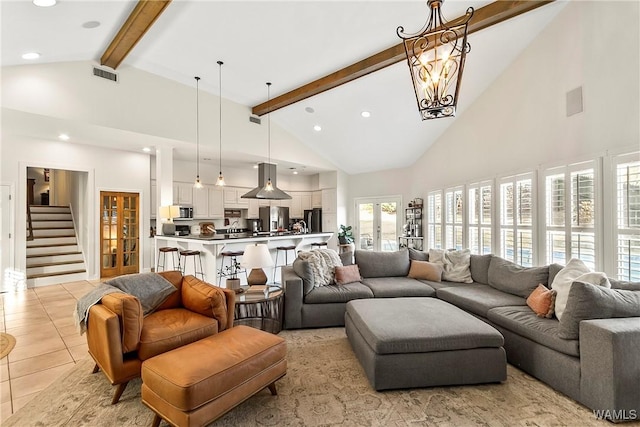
(47, 342)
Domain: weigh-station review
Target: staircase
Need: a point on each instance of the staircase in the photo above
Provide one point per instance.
(53, 255)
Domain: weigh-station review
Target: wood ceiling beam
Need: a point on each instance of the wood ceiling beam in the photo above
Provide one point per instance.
(137, 24)
(483, 17)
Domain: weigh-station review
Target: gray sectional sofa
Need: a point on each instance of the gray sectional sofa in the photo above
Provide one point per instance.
(601, 369)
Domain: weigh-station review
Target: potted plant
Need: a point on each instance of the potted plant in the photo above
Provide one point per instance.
(233, 282)
(345, 235)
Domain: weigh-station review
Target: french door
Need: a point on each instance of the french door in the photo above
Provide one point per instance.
(378, 223)
(119, 240)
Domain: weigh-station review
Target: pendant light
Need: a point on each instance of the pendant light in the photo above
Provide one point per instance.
(197, 184)
(269, 186)
(220, 181)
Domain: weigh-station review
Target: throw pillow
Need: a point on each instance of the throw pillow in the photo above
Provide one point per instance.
(562, 283)
(417, 255)
(507, 276)
(383, 264)
(203, 298)
(322, 263)
(347, 274)
(150, 288)
(457, 269)
(542, 301)
(587, 301)
(425, 270)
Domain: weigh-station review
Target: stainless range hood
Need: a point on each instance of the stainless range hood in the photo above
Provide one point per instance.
(266, 171)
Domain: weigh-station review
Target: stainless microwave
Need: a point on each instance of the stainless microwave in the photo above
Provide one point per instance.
(186, 212)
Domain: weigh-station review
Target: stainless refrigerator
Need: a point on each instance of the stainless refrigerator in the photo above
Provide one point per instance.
(274, 218)
(313, 218)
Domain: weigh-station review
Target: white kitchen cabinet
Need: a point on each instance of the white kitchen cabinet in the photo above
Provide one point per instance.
(182, 193)
(305, 202)
(242, 203)
(233, 198)
(329, 201)
(329, 223)
(316, 199)
(216, 203)
(254, 208)
(201, 203)
(296, 206)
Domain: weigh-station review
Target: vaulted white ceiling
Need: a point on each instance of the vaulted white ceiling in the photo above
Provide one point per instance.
(288, 43)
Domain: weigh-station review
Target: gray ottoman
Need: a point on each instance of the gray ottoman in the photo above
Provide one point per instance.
(423, 342)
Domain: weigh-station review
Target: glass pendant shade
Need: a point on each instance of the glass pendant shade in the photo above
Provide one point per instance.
(197, 184)
(436, 57)
(220, 181)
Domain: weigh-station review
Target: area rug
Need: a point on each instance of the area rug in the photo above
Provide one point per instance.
(7, 342)
(324, 386)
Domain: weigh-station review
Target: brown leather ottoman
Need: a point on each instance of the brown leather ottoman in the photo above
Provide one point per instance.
(196, 384)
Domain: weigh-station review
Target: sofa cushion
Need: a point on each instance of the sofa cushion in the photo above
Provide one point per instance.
(574, 269)
(554, 269)
(382, 264)
(347, 274)
(515, 279)
(165, 330)
(393, 287)
(205, 299)
(625, 285)
(417, 255)
(587, 301)
(524, 322)
(129, 312)
(338, 293)
(446, 284)
(479, 266)
(542, 301)
(425, 270)
(175, 299)
(303, 270)
(478, 299)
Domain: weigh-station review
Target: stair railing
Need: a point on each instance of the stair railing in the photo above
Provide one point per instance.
(29, 224)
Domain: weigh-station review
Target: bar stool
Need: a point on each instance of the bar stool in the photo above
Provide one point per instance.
(286, 250)
(318, 245)
(163, 251)
(233, 267)
(190, 253)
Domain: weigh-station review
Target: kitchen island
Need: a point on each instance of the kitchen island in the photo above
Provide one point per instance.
(211, 247)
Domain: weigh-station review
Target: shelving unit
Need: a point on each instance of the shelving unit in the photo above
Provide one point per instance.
(412, 236)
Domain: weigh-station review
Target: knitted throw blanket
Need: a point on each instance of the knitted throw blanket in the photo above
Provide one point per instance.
(322, 263)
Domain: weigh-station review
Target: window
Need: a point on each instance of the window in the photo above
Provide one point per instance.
(516, 219)
(570, 200)
(453, 219)
(628, 218)
(434, 219)
(480, 218)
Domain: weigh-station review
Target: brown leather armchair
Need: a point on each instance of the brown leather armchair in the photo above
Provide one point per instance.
(120, 338)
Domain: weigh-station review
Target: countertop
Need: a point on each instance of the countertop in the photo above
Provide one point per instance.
(243, 237)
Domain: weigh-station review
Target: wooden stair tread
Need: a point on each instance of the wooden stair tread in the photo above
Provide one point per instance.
(51, 264)
(53, 254)
(51, 245)
(54, 237)
(50, 220)
(52, 228)
(59, 273)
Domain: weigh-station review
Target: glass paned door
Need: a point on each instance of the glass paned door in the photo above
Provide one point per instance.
(119, 240)
(378, 223)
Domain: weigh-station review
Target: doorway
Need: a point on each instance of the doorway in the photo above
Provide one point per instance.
(119, 240)
(377, 220)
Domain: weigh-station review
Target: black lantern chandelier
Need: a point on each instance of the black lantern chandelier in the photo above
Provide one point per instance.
(436, 58)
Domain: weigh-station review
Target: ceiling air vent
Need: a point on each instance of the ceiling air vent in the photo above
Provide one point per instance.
(105, 74)
(254, 119)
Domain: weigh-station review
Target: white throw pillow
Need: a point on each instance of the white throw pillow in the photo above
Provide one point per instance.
(458, 268)
(563, 280)
(576, 271)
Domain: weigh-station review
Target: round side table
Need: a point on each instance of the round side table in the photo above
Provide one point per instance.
(260, 309)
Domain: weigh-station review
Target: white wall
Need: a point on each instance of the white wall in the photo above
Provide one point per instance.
(106, 170)
(520, 122)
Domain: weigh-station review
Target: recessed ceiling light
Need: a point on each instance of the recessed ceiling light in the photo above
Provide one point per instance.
(44, 3)
(146, 149)
(255, 166)
(64, 137)
(91, 24)
(295, 172)
(309, 110)
(317, 128)
(365, 114)
(31, 55)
